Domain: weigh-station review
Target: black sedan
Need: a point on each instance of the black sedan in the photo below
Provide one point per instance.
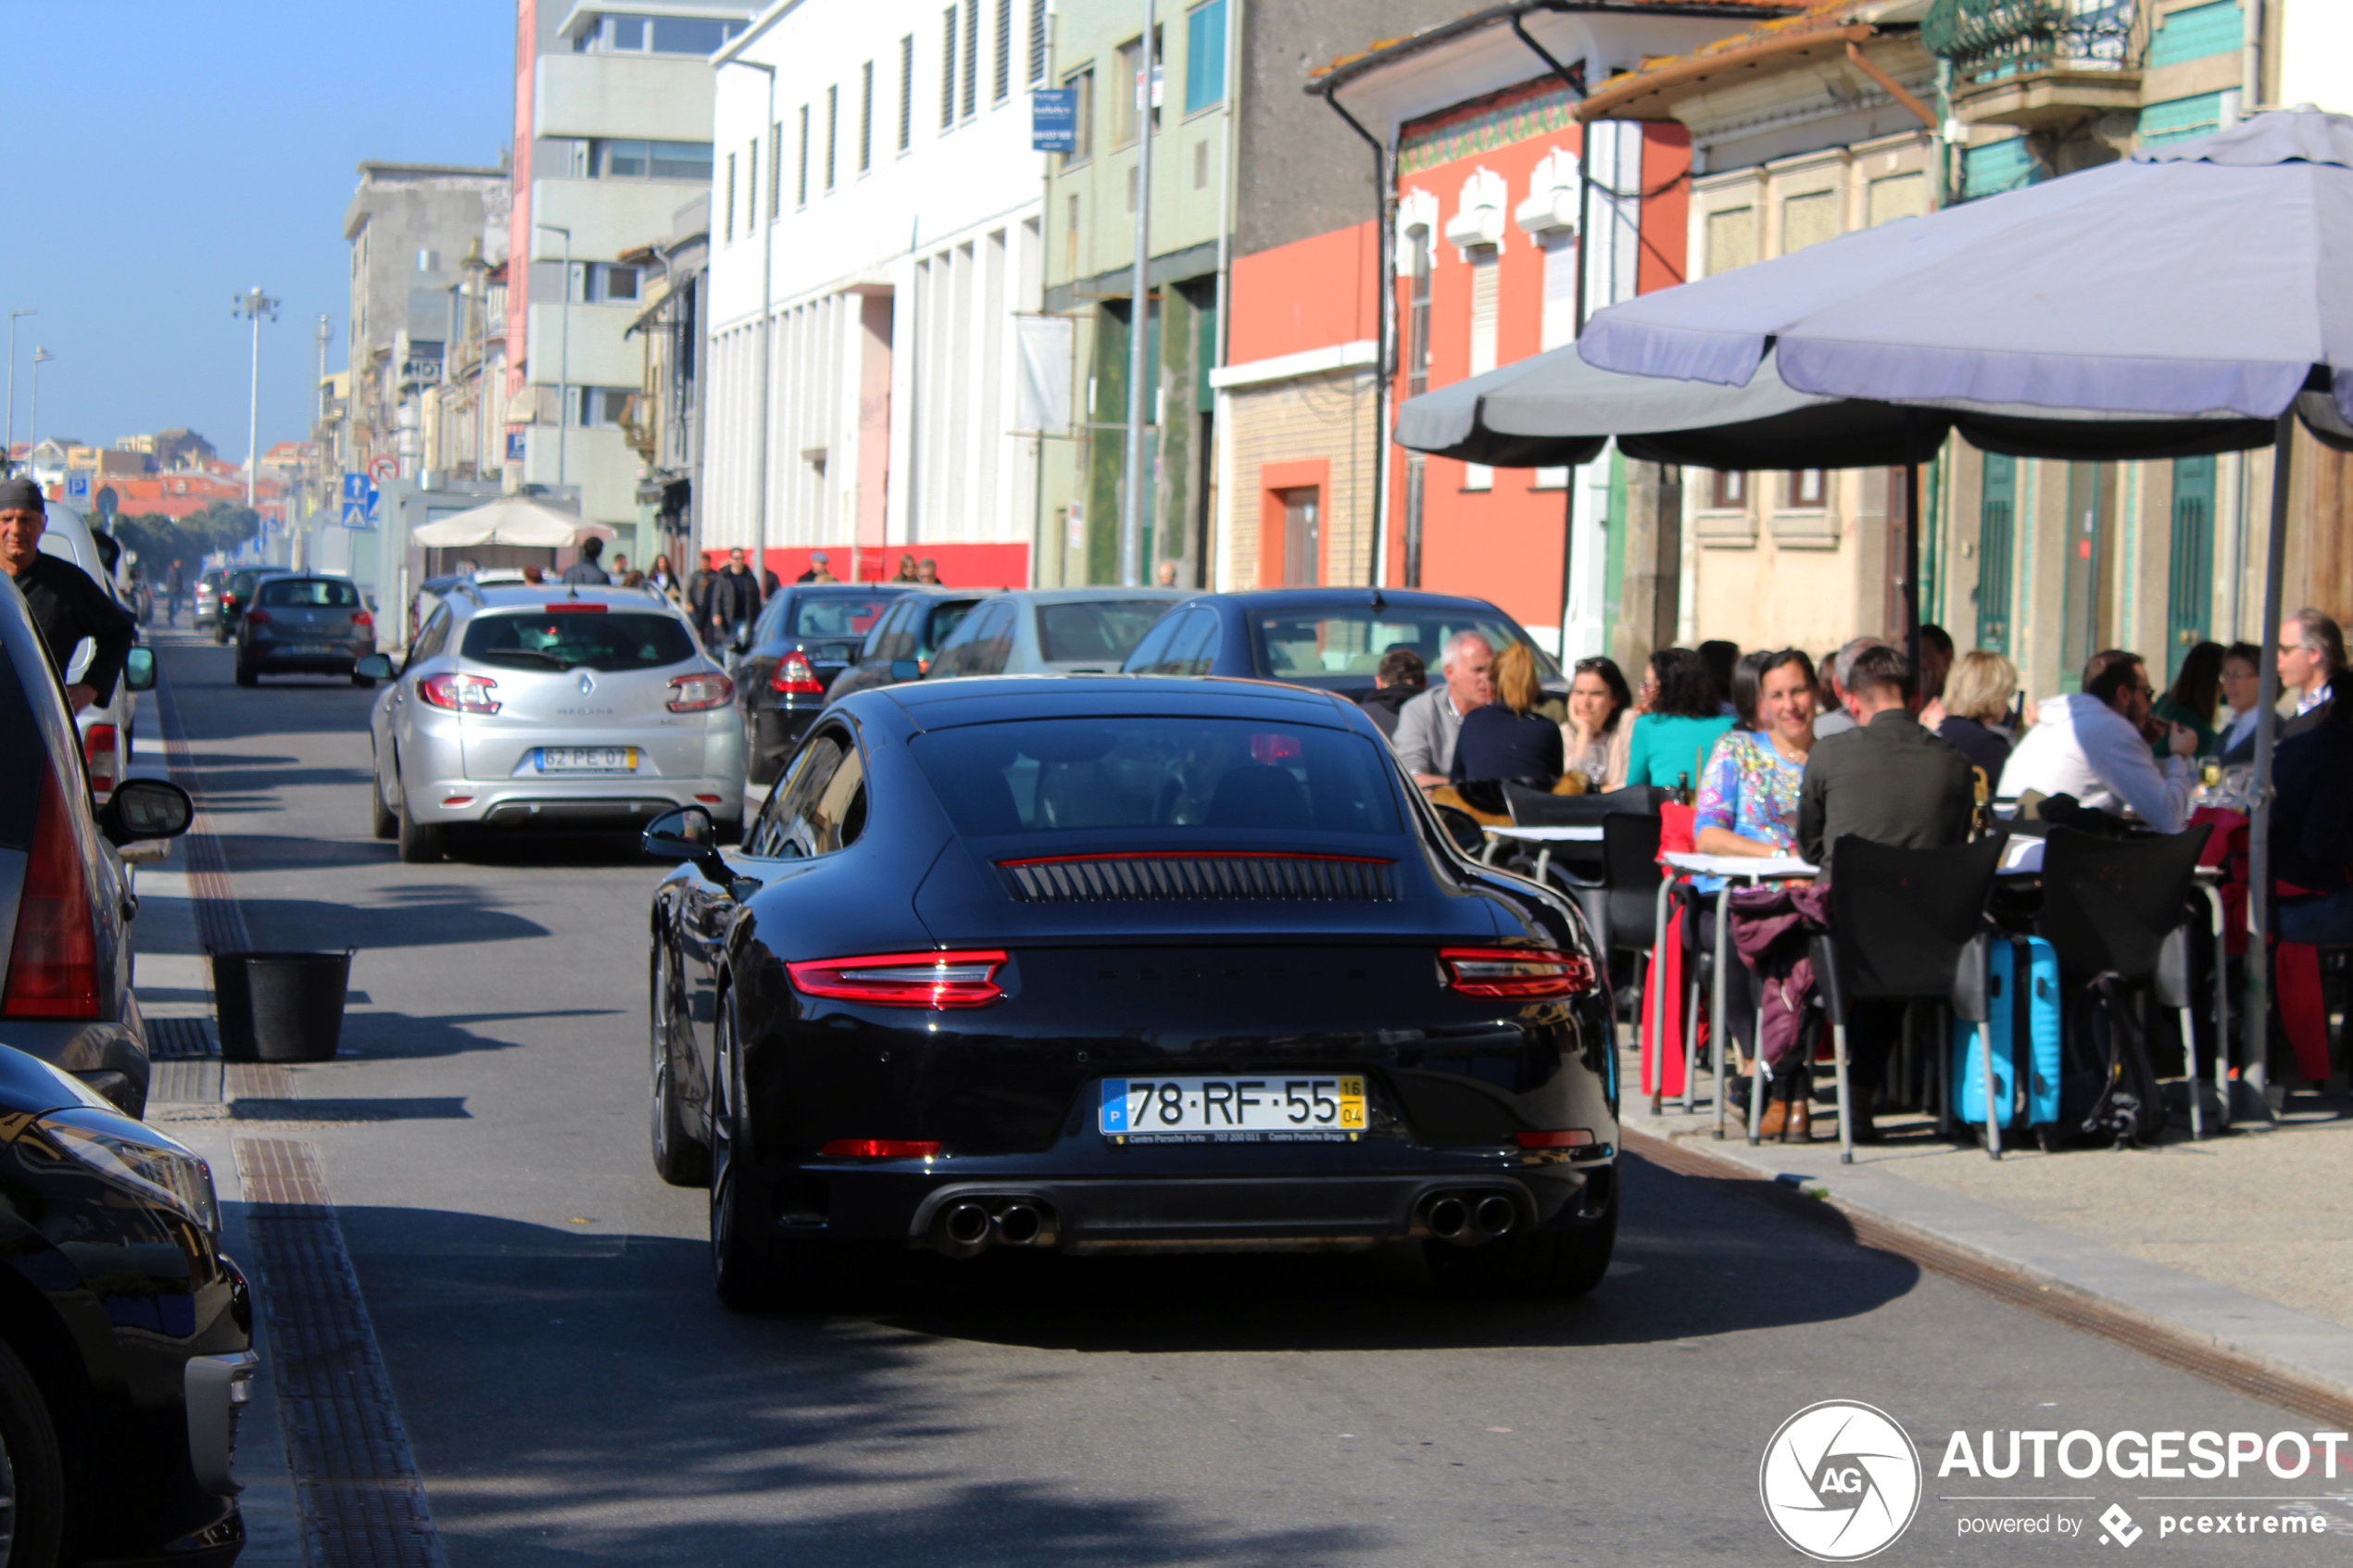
(1328, 639)
(127, 1338)
(807, 634)
(911, 632)
(1106, 964)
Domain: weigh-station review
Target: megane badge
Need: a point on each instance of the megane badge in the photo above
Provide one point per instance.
(588, 684)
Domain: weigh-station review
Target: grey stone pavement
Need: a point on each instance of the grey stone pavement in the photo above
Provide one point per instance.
(573, 1395)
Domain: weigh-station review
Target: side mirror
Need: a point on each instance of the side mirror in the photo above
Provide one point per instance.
(689, 834)
(375, 666)
(139, 671)
(141, 808)
(906, 669)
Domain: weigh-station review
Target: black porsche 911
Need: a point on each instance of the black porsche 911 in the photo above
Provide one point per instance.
(1122, 964)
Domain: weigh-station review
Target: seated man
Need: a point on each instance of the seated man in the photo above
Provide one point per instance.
(1400, 678)
(2088, 744)
(2313, 825)
(1427, 724)
(2311, 656)
(1892, 781)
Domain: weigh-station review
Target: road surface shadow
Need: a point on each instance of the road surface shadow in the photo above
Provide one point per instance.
(728, 1440)
(308, 923)
(386, 1035)
(251, 852)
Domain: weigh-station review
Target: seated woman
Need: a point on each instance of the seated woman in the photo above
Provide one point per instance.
(1600, 726)
(2197, 691)
(1748, 793)
(1508, 740)
(1977, 709)
(1682, 718)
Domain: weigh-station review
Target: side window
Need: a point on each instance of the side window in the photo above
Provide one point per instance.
(796, 793)
(839, 814)
(1151, 654)
(1194, 648)
(430, 640)
(963, 652)
(894, 638)
(993, 642)
(940, 626)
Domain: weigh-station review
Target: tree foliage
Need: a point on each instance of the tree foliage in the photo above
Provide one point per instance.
(158, 540)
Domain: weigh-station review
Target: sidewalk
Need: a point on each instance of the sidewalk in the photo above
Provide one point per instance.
(2244, 1241)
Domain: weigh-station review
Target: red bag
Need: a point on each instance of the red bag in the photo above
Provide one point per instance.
(1663, 1059)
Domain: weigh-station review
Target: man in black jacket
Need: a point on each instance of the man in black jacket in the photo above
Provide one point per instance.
(67, 606)
(735, 600)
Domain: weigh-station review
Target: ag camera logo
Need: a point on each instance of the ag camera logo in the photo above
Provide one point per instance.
(1839, 1481)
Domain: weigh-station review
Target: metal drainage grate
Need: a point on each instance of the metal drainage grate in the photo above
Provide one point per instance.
(361, 1500)
(182, 1039)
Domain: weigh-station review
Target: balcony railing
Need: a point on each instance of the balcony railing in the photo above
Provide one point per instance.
(1991, 41)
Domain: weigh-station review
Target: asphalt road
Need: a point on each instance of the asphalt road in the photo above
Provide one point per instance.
(574, 1393)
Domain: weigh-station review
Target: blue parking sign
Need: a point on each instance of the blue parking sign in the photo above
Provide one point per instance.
(1053, 120)
(78, 489)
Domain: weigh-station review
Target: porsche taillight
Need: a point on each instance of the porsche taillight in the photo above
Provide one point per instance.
(1519, 974)
(905, 980)
(52, 963)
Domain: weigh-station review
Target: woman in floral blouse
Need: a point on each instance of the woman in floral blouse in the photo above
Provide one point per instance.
(1748, 793)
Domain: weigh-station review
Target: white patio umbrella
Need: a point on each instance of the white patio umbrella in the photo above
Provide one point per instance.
(2207, 278)
(511, 519)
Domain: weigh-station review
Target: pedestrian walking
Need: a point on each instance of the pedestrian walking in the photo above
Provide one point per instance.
(585, 570)
(66, 605)
(174, 587)
(734, 603)
(928, 571)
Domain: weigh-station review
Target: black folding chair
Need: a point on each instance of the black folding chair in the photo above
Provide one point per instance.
(1541, 809)
(2117, 914)
(1908, 924)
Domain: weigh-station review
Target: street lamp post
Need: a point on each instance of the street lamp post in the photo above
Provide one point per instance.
(563, 352)
(1131, 521)
(252, 307)
(32, 419)
(11, 456)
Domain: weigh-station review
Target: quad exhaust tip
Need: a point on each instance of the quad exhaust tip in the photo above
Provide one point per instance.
(971, 1226)
(1470, 1219)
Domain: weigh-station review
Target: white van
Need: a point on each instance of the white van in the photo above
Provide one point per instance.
(106, 727)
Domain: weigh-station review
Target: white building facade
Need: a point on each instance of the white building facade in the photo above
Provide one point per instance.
(873, 156)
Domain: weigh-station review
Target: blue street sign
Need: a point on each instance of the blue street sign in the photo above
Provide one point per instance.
(374, 513)
(355, 488)
(1053, 120)
(359, 510)
(78, 489)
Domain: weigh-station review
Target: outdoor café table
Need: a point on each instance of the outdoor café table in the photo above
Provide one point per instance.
(1543, 837)
(1752, 870)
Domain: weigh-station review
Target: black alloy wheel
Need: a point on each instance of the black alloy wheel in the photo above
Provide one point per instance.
(246, 676)
(1559, 1262)
(32, 1495)
(421, 844)
(747, 1262)
(678, 1158)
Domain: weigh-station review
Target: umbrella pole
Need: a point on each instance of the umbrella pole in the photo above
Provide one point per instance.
(1912, 564)
(1568, 547)
(2255, 1024)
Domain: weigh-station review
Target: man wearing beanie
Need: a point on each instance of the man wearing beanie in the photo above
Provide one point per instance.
(67, 606)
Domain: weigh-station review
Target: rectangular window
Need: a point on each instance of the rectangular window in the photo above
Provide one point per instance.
(612, 284)
(624, 160)
(800, 177)
(948, 67)
(1205, 57)
(1486, 286)
(598, 408)
(1808, 490)
(1001, 81)
(1897, 196)
(1418, 316)
(1037, 74)
(1731, 239)
(1128, 92)
(692, 35)
(1809, 221)
(751, 185)
(729, 230)
(1728, 491)
(833, 133)
(776, 169)
(969, 77)
(1082, 87)
(625, 33)
(678, 160)
(865, 117)
(906, 92)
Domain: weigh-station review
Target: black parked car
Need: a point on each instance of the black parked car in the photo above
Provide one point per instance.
(911, 629)
(1328, 639)
(236, 598)
(65, 910)
(806, 636)
(1108, 964)
(125, 1336)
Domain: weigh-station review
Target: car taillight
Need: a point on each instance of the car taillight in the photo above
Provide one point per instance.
(256, 617)
(459, 694)
(362, 622)
(53, 967)
(796, 676)
(883, 1148)
(905, 980)
(1568, 1137)
(97, 750)
(692, 693)
(1518, 972)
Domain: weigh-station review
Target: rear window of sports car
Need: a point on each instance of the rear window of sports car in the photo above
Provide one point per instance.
(1189, 776)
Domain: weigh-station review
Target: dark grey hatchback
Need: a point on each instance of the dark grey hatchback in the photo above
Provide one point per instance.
(304, 626)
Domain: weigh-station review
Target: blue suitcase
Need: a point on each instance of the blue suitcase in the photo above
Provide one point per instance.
(2025, 1026)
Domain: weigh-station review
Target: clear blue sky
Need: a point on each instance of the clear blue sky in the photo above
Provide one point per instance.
(167, 158)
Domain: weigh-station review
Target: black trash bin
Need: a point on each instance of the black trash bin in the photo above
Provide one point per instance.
(280, 1007)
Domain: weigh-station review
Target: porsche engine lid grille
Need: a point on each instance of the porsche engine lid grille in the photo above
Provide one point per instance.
(1083, 879)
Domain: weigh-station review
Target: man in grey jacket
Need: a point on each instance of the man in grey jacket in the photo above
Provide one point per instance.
(1427, 726)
